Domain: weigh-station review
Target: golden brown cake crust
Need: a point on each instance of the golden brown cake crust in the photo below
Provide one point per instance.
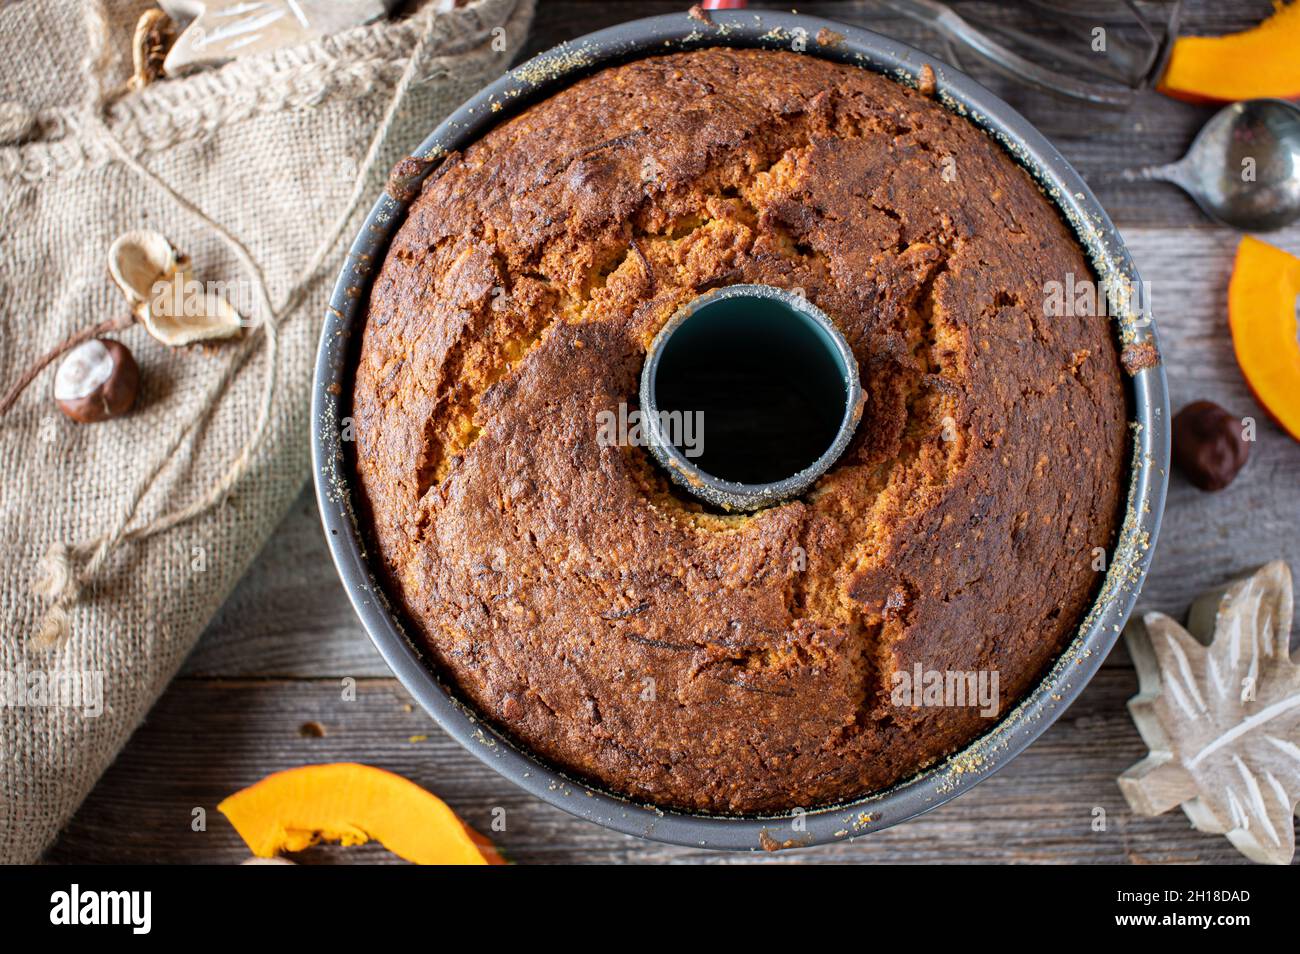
(735, 663)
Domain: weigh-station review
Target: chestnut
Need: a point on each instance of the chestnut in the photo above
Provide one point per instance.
(1209, 445)
(96, 381)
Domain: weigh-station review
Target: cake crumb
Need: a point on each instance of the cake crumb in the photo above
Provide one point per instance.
(769, 843)
(925, 81)
(829, 37)
(407, 176)
(1139, 356)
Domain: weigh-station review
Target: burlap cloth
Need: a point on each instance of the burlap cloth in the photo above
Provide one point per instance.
(247, 168)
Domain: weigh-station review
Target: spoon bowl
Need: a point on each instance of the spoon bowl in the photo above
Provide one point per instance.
(1243, 168)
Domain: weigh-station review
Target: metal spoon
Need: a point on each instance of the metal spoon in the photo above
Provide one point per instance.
(1244, 166)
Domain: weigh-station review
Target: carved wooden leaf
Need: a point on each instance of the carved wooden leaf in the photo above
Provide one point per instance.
(1222, 720)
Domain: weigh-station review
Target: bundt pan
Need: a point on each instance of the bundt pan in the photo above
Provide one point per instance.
(1148, 401)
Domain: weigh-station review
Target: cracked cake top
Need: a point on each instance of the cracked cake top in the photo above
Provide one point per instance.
(735, 663)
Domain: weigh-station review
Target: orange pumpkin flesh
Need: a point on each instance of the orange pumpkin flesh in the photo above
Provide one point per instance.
(1262, 61)
(1262, 314)
(351, 804)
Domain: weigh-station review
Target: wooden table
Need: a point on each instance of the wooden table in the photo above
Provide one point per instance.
(267, 676)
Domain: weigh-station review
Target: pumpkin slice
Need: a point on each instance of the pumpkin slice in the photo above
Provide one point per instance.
(351, 804)
(1262, 61)
(1262, 314)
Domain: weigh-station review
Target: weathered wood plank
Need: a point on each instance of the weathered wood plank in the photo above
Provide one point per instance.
(289, 616)
(207, 738)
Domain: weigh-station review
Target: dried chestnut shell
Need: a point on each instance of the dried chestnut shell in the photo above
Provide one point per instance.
(96, 381)
(1208, 445)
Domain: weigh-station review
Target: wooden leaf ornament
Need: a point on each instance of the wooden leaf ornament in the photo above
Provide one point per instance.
(1219, 707)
